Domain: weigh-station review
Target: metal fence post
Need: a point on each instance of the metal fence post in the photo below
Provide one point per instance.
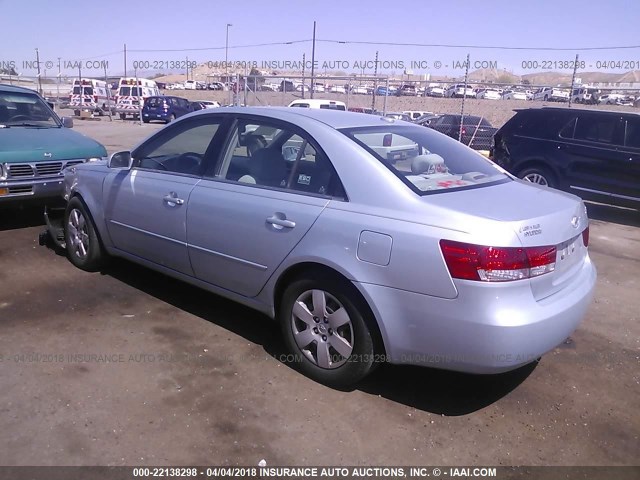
(386, 94)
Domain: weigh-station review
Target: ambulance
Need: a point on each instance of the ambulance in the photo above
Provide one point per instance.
(131, 95)
(92, 96)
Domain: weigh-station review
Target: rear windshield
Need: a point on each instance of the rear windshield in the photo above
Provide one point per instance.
(85, 90)
(427, 161)
(130, 91)
(332, 107)
(155, 102)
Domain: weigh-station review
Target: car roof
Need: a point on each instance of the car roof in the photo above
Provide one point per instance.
(16, 89)
(337, 119)
(589, 110)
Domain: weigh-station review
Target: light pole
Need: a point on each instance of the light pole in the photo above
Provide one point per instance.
(226, 57)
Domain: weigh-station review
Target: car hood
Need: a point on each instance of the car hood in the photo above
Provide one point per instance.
(23, 144)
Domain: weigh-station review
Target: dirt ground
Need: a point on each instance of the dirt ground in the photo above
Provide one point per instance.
(129, 367)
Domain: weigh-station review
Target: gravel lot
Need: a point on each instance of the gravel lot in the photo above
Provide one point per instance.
(129, 367)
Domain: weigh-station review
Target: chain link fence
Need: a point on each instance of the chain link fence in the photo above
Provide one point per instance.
(469, 107)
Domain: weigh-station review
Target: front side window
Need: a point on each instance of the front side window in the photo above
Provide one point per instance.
(178, 150)
(269, 155)
(426, 161)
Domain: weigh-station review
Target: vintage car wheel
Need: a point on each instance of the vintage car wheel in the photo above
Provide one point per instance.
(83, 245)
(325, 332)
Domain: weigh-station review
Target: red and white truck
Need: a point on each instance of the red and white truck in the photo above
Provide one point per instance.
(132, 93)
(91, 95)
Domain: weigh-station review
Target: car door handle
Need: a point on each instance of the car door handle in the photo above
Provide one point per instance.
(281, 222)
(172, 198)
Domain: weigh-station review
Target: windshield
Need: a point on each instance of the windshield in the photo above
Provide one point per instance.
(427, 161)
(25, 109)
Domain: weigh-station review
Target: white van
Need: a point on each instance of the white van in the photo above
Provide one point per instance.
(131, 95)
(90, 95)
(319, 103)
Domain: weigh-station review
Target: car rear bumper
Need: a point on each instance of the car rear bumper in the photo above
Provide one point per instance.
(488, 328)
(34, 189)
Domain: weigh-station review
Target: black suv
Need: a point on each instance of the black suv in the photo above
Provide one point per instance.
(594, 154)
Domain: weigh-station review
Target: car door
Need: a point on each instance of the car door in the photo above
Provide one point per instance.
(246, 217)
(145, 207)
(594, 153)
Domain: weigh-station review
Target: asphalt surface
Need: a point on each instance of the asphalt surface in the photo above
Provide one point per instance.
(128, 367)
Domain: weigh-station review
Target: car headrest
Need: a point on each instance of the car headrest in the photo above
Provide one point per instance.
(268, 167)
(428, 163)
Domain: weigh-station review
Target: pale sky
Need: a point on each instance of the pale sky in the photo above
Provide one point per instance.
(81, 31)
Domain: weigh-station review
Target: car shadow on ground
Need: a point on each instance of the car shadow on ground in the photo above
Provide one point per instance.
(428, 389)
(442, 392)
(612, 214)
(13, 217)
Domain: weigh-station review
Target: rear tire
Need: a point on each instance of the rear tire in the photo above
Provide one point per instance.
(539, 175)
(84, 248)
(123, 116)
(325, 331)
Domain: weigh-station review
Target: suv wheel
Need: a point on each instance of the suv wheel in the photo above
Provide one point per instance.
(325, 331)
(538, 175)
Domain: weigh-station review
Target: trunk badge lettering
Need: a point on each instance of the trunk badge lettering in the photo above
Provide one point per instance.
(575, 222)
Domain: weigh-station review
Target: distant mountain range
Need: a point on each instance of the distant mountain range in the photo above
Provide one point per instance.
(553, 78)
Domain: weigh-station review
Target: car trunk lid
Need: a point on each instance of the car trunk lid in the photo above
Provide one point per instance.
(538, 216)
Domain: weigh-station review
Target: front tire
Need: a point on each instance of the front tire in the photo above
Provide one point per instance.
(84, 249)
(324, 328)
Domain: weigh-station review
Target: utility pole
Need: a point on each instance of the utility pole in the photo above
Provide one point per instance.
(226, 59)
(466, 79)
(188, 68)
(39, 79)
(313, 60)
(125, 60)
(58, 85)
(573, 79)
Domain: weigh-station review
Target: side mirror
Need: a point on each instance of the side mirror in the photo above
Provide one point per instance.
(67, 122)
(121, 160)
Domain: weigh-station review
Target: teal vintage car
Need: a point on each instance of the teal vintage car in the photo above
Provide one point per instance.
(36, 146)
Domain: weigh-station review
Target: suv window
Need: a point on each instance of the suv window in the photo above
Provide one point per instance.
(596, 128)
(632, 136)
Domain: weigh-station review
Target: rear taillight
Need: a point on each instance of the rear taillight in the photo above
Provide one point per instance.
(496, 264)
(585, 236)
(386, 140)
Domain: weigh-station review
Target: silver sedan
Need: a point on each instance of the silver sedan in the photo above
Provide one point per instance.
(367, 239)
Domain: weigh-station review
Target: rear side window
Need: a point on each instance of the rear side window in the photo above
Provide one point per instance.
(632, 137)
(601, 129)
